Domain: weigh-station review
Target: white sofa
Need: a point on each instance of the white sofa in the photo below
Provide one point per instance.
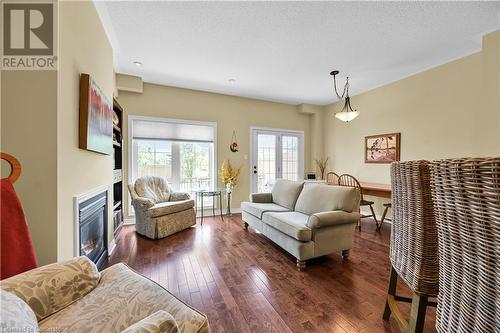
(308, 220)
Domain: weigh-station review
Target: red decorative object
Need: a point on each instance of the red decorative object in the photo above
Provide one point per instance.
(234, 145)
(17, 252)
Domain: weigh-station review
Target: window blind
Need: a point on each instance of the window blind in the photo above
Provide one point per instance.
(174, 131)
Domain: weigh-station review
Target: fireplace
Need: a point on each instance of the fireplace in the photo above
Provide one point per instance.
(92, 228)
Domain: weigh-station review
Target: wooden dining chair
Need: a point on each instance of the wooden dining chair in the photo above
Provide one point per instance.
(348, 180)
(332, 178)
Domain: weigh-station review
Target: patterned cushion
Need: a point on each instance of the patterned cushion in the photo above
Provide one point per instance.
(121, 299)
(50, 288)
(16, 315)
(154, 188)
(158, 322)
(170, 207)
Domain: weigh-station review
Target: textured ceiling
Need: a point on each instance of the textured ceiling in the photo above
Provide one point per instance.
(284, 51)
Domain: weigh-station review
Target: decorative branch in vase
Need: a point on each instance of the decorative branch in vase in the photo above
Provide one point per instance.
(229, 177)
(322, 164)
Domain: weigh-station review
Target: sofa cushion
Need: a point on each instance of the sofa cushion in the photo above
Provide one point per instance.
(294, 224)
(154, 188)
(121, 299)
(285, 192)
(16, 316)
(50, 288)
(170, 207)
(158, 322)
(321, 198)
(257, 209)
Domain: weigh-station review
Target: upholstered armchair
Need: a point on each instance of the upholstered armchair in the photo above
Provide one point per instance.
(159, 212)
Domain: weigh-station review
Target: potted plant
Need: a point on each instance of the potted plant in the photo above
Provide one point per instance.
(229, 177)
(322, 164)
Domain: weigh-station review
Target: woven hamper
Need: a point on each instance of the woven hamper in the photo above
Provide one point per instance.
(466, 195)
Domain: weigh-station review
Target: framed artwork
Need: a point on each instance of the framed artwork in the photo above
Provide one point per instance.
(382, 148)
(96, 118)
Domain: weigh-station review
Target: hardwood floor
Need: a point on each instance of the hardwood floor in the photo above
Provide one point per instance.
(245, 283)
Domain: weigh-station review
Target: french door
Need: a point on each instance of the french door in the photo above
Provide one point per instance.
(276, 154)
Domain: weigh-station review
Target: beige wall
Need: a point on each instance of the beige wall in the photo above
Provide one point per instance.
(230, 113)
(28, 131)
(84, 48)
(441, 113)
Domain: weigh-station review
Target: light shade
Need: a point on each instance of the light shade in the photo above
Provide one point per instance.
(346, 115)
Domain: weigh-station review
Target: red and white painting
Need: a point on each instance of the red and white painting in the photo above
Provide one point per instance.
(96, 117)
(382, 148)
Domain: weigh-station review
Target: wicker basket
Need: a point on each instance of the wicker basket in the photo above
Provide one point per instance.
(414, 241)
(466, 195)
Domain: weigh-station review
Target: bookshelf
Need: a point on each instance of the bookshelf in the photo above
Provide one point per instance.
(117, 167)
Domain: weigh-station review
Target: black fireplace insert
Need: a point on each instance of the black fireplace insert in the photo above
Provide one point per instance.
(93, 217)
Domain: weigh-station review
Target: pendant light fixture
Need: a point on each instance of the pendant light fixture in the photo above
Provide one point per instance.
(347, 113)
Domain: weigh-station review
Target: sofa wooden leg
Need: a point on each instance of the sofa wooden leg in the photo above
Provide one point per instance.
(345, 254)
(301, 264)
(245, 225)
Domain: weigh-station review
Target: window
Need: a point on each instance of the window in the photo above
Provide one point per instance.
(180, 151)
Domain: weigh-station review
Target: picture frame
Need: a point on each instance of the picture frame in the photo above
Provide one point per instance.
(383, 148)
(96, 118)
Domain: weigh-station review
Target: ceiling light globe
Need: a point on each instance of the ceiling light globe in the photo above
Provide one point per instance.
(346, 116)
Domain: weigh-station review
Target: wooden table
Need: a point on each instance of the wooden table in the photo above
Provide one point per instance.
(376, 190)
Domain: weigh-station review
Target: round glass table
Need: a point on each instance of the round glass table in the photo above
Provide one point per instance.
(214, 194)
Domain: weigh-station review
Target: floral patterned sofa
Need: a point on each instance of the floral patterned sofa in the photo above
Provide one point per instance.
(73, 296)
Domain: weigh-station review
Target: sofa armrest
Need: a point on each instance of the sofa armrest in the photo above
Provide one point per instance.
(327, 219)
(178, 196)
(50, 288)
(144, 203)
(158, 322)
(261, 197)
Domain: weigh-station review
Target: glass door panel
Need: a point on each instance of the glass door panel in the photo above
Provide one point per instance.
(266, 161)
(290, 157)
(275, 154)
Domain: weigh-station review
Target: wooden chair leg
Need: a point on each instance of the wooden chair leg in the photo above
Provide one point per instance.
(417, 313)
(392, 292)
(383, 217)
(359, 220)
(418, 307)
(374, 216)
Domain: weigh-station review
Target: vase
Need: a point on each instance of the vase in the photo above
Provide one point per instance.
(229, 190)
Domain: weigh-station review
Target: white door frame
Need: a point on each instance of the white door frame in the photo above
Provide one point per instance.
(279, 131)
